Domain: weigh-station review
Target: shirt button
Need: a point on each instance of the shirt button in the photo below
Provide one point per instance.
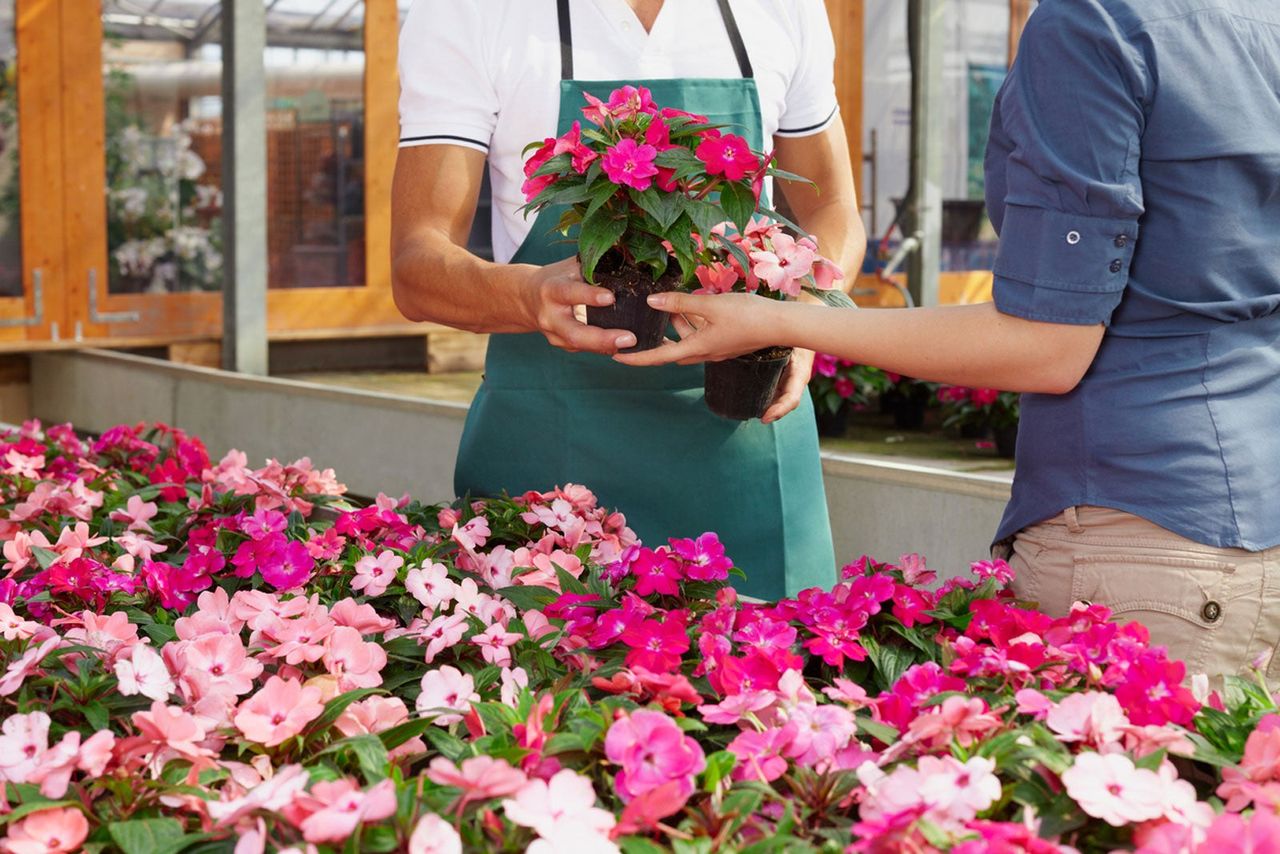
(1122, 241)
(1211, 611)
(1116, 266)
(1073, 237)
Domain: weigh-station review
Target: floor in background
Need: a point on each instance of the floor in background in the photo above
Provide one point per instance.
(869, 434)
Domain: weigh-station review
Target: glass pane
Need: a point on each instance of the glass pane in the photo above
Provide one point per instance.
(10, 219)
(315, 154)
(163, 149)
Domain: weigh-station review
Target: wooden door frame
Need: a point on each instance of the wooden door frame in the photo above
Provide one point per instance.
(343, 311)
(37, 25)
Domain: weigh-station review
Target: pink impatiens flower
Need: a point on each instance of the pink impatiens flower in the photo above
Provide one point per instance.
(784, 267)
(566, 797)
(652, 750)
(1109, 787)
(727, 155)
(144, 672)
(760, 753)
(24, 738)
(50, 831)
(374, 574)
(447, 688)
(279, 711)
(479, 778)
(338, 806)
(430, 585)
(434, 835)
(629, 164)
(495, 643)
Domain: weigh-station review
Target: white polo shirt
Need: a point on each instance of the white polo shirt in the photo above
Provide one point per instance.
(485, 73)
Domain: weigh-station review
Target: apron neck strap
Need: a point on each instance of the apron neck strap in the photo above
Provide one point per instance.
(726, 13)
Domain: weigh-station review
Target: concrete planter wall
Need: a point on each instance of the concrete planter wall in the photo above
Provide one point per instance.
(381, 442)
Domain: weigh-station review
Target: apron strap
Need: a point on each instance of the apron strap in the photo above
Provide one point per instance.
(726, 13)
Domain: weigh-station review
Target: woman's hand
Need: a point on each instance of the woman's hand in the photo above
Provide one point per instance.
(712, 328)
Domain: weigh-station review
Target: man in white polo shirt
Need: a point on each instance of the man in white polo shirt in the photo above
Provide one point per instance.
(480, 79)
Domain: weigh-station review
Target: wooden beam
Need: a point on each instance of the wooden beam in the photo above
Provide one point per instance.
(1019, 11)
(847, 22)
(381, 131)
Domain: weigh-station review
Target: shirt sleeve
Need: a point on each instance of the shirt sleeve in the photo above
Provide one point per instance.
(811, 104)
(447, 93)
(1065, 194)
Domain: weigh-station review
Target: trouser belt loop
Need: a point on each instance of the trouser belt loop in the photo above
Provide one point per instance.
(1073, 521)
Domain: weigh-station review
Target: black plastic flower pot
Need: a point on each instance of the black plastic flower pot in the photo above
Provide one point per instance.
(908, 412)
(743, 388)
(1006, 439)
(833, 425)
(631, 288)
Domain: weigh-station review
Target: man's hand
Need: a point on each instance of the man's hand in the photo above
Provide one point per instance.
(554, 292)
(793, 386)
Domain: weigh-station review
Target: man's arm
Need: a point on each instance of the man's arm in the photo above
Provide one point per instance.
(435, 278)
(829, 210)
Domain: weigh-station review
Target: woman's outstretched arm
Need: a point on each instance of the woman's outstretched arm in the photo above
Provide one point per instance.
(969, 345)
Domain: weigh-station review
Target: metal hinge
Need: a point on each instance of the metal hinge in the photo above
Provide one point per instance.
(96, 316)
(37, 292)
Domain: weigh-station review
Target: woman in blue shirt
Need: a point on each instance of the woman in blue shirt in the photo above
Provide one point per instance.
(1133, 173)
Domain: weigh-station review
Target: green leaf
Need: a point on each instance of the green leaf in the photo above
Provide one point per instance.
(398, 735)
(790, 176)
(450, 746)
(881, 732)
(739, 203)
(96, 715)
(704, 215)
(369, 751)
(639, 845)
(601, 231)
(665, 208)
(555, 166)
(528, 597)
(834, 297)
(44, 556)
(28, 807)
(719, 765)
(146, 835)
(599, 196)
(335, 707)
(774, 215)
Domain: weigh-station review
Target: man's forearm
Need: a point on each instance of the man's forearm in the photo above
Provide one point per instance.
(439, 281)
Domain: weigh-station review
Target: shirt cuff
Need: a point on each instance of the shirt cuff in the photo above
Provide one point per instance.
(808, 128)
(1062, 268)
(468, 137)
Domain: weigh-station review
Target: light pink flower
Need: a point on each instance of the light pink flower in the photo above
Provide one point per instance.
(55, 766)
(356, 663)
(144, 672)
(49, 831)
(13, 627)
(495, 643)
(23, 740)
(572, 837)
(514, 680)
(447, 688)
(95, 753)
(434, 835)
(375, 714)
(820, 732)
(480, 777)
(278, 711)
(966, 719)
(430, 585)
(73, 542)
(27, 665)
(271, 795)
(473, 535)
(219, 664)
(442, 633)
(567, 796)
(784, 267)
(342, 807)
(374, 574)
(1109, 787)
(137, 514)
(1091, 717)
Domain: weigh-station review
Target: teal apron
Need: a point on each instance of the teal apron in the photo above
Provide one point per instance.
(642, 438)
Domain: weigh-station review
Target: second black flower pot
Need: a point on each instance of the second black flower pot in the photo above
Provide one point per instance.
(1006, 439)
(908, 412)
(743, 388)
(833, 424)
(631, 288)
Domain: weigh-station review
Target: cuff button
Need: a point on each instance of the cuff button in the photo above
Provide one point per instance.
(1122, 240)
(1073, 237)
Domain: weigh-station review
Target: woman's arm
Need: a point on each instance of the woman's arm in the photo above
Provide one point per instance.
(969, 345)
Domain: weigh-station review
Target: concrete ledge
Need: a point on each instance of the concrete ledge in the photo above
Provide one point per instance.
(394, 444)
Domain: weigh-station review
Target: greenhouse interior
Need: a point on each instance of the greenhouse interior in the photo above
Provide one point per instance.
(280, 576)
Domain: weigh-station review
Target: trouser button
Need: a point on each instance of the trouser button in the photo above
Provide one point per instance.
(1211, 611)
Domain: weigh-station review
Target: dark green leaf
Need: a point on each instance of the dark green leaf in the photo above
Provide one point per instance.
(600, 233)
(599, 196)
(335, 707)
(146, 835)
(834, 297)
(738, 202)
(665, 208)
(528, 597)
(639, 845)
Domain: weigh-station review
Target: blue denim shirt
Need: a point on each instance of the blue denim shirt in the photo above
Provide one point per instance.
(1134, 176)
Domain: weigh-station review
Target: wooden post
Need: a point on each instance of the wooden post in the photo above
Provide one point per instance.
(381, 132)
(847, 23)
(1019, 11)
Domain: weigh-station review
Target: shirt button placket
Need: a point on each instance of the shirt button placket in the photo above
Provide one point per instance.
(1116, 266)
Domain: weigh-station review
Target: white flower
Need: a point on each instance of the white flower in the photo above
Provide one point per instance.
(144, 672)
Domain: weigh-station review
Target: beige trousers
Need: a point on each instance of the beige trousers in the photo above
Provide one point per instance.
(1216, 609)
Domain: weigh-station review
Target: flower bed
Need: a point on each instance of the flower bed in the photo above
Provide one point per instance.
(214, 657)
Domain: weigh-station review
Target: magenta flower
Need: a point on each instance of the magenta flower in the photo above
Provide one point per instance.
(704, 558)
(629, 164)
(656, 572)
(657, 646)
(727, 155)
(652, 751)
(760, 753)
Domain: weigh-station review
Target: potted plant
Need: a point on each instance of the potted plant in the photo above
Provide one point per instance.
(839, 387)
(768, 260)
(642, 187)
(984, 409)
(907, 399)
